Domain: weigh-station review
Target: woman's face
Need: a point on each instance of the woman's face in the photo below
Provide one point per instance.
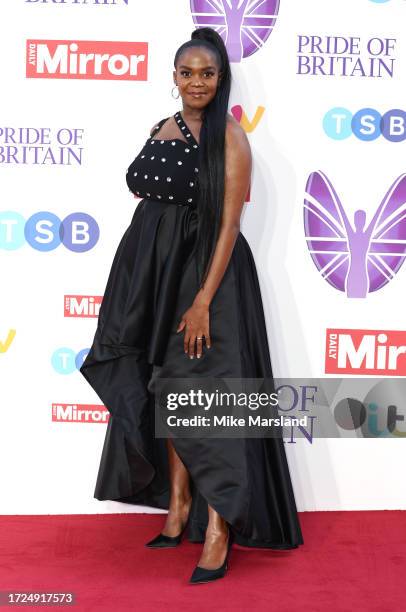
(197, 76)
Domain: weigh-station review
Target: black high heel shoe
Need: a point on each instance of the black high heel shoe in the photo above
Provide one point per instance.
(164, 541)
(201, 574)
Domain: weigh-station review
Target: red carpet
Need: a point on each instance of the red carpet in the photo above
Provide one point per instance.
(351, 561)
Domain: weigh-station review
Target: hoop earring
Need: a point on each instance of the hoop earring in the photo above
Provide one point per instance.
(176, 97)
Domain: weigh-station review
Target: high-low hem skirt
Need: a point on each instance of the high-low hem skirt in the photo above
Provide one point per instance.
(151, 283)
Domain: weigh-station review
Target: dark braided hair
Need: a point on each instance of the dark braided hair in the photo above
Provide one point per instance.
(211, 151)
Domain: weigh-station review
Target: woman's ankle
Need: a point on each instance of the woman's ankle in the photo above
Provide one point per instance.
(180, 501)
(217, 528)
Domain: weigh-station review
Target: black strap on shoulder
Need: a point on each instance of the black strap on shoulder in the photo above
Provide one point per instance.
(158, 126)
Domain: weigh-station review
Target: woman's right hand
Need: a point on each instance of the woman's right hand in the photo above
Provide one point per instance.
(195, 322)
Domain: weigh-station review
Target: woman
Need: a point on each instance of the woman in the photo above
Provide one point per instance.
(183, 300)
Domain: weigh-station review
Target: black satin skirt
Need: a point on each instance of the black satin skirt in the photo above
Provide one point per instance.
(152, 281)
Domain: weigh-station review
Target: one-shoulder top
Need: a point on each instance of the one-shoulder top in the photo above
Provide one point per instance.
(167, 170)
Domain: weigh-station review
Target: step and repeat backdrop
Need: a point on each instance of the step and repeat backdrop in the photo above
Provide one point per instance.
(319, 87)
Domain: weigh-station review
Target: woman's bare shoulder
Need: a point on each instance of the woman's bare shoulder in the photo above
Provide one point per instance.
(235, 134)
(166, 121)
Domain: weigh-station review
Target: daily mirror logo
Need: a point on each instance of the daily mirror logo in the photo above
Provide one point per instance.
(245, 25)
(352, 255)
(365, 351)
(82, 306)
(99, 60)
(79, 413)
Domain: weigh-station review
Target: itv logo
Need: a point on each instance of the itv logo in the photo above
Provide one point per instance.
(6, 342)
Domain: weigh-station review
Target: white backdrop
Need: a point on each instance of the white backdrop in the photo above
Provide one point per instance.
(50, 466)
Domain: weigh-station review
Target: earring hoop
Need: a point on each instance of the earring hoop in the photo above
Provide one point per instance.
(176, 97)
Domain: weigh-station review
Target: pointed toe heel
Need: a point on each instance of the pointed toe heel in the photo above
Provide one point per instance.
(163, 541)
(201, 575)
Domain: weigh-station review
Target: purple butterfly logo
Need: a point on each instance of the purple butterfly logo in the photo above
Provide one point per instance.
(355, 258)
(244, 24)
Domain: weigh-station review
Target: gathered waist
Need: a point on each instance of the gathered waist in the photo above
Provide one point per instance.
(169, 202)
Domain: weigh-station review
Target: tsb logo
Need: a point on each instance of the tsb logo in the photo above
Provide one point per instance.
(363, 351)
(64, 59)
(366, 124)
(65, 360)
(44, 231)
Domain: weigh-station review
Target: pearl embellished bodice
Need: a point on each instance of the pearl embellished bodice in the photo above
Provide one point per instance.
(167, 170)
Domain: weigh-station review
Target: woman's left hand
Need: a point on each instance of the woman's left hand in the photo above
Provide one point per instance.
(195, 322)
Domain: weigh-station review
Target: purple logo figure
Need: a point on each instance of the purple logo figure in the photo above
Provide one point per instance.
(355, 258)
(244, 24)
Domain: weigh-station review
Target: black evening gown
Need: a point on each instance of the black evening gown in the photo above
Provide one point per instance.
(151, 283)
